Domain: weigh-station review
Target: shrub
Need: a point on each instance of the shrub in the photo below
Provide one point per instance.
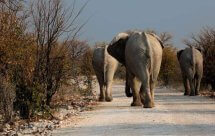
(7, 96)
(170, 69)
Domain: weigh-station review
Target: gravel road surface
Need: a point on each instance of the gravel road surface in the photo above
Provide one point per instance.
(174, 114)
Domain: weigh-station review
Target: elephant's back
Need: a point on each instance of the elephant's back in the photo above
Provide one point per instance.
(186, 55)
(192, 55)
(198, 62)
(156, 56)
(135, 53)
(142, 45)
(187, 61)
(111, 61)
(143, 50)
(156, 46)
(198, 56)
(136, 45)
(136, 49)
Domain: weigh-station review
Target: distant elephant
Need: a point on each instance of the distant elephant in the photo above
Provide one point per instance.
(141, 53)
(191, 63)
(105, 67)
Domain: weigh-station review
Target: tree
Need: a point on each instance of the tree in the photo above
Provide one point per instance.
(51, 22)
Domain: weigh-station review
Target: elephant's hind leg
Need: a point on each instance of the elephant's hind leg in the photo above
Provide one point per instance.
(127, 86)
(197, 87)
(186, 86)
(192, 87)
(102, 94)
(146, 97)
(135, 87)
(152, 86)
(111, 69)
(145, 93)
(191, 77)
(108, 92)
(101, 87)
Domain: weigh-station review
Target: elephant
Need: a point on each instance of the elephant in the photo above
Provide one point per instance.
(141, 53)
(105, 67)
(191, 64)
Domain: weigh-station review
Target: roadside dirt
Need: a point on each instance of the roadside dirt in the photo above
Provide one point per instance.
(174, 114)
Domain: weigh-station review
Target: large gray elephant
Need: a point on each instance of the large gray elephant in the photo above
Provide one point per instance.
(105, 67)
(141, 53)
(191, 63)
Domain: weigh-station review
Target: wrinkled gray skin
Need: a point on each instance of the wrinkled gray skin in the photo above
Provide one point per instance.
(191, 63)
(141, 53)
(105, 67)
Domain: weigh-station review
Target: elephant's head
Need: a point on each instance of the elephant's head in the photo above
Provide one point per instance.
(179, 54)
(117, 47)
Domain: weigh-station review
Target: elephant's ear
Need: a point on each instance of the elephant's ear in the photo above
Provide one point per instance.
(158, 38)
(117, 47)
(179, 54)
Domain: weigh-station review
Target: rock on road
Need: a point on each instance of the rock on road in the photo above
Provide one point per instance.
(174, 114)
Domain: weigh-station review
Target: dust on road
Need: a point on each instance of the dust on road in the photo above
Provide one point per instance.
(174, 114)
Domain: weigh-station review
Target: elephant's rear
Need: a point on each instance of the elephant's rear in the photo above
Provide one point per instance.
(98, 63)
(187, 62)
(98, 59)
(191, 62)
(148, 49)
(156, 56)
(198, 59)
(137, 53)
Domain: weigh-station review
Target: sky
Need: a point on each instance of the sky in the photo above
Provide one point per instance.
(181, 18)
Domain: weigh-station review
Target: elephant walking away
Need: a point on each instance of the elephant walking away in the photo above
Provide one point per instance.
(105, 67)
(141, 53)
(191, 63)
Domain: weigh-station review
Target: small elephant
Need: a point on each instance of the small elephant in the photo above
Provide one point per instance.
(141, 53)
(105, 67)
(191, 63)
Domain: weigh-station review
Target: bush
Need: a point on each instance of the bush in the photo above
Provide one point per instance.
(16, 52)
(7, 96)
(170, 69)
(82, 71)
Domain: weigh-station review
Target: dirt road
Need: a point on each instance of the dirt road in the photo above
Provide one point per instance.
(174, 114)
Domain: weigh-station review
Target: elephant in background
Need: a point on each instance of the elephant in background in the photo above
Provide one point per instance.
(191, 63)
(141, 53)
(105, 67)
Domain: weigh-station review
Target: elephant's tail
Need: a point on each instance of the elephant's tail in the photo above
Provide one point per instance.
(148, 51)
(105, 64)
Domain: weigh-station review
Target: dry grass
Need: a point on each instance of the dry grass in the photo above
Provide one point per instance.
(208, 93)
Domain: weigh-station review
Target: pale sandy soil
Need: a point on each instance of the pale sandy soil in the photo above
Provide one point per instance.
(174, 114)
